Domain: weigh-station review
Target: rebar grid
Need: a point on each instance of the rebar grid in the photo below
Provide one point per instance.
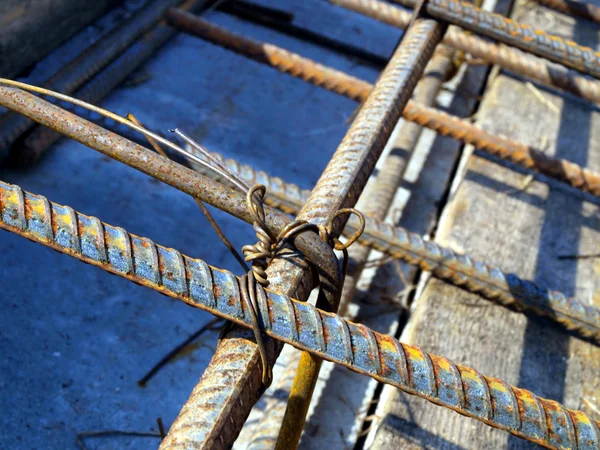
(339, 187)
(356, 89)
(508, 58)
(510, 32)
(326, 335)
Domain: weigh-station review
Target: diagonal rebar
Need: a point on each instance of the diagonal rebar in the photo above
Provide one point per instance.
(461, 270)
(339, 187)
(378, 200)
(511, 32)
(326, 335)
(508, 58)
(438, 121)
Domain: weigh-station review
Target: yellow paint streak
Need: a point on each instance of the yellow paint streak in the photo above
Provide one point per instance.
(496, 385)
(414, 352)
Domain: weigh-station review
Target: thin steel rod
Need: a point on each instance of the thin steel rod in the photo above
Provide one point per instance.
(326, 335)
(509, 58)
(573, 8)
(510, 32)
(460, 270)
(158, 149)
(87, 64)
(339, 187)
(163, 169)
(444, 124)
(376, 205)
(42, 138)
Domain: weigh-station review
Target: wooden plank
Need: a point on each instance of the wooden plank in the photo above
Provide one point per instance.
(29, 30)
(523, 232)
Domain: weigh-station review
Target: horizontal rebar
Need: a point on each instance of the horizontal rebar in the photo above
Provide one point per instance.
(326, 335)
(461, 270)
(356, 89)
(88, 63)
(165, 170)
(508, 58)
(510, 32)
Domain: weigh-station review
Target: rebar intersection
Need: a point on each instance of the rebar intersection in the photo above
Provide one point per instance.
(409, 368)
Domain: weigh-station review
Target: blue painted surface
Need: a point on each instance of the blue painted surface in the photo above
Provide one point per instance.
(75, 339)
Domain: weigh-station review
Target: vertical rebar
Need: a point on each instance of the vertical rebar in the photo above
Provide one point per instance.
(339, 187)
(380, 197)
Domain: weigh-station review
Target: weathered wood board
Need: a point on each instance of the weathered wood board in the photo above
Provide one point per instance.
(30, 29)
(524, 232)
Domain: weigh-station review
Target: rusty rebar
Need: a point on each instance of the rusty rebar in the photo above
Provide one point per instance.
(434, 378)
(163, 169)
(444, 124)
(339, 187)
(573, 8)
(508, 58)
(41, 138)
(346, 175)
(460, 270)
(88, 63)
(510, 32)
(379, 199)
(226, 242)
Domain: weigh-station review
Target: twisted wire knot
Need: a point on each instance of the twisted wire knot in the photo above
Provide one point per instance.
(253, 284)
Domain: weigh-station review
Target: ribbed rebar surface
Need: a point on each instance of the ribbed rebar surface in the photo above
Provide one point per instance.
(379, 199)
(355, 346)
(344, 178)
(460, 270)
(496, 26)
(508, 58)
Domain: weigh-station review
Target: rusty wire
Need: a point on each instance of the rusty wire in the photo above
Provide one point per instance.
(322, 76)
(509, 58)
(326, 335)
(155, 145)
